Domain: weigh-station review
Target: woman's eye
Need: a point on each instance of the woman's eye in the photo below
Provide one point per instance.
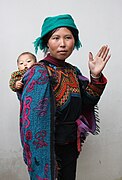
(55, 38)
(68, 37)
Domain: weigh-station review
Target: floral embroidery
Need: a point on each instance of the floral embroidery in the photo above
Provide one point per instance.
(39, 139)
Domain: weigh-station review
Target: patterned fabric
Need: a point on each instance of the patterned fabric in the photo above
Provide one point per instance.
(36, 124)
(37, 117)
(64, 83)
(16, 76)
(96, 87)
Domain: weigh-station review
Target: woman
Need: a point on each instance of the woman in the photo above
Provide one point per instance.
(58, 102)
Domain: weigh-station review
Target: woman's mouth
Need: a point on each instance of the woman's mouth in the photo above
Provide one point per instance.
(62, 52)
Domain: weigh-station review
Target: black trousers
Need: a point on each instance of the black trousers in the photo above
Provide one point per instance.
(66, 156)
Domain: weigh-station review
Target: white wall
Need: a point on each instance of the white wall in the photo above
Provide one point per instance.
(99, 23)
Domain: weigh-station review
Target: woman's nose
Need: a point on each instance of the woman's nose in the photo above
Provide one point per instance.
(62, 42)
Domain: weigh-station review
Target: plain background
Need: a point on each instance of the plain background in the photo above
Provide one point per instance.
(99, 22)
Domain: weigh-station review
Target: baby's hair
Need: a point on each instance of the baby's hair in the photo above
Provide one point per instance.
(29, 53)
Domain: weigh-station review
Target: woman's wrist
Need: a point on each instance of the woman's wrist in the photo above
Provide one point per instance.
(95, 77)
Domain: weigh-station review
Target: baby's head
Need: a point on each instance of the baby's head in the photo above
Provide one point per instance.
(26, 60)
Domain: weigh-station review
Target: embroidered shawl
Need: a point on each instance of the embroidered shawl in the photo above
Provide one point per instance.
(37, 122)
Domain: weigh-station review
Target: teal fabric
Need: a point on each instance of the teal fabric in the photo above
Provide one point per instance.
(51, 23)
(36, 124)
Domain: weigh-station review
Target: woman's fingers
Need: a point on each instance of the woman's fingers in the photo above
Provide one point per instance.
(90, 56)
(103, 51)
(107, 58)
(100, 51)
(105, 54)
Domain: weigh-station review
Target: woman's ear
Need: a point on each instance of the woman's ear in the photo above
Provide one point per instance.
(47, 45)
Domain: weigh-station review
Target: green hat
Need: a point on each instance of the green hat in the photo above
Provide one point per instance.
(51, 23)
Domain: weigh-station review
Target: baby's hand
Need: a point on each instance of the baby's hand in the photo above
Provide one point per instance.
(18, 84)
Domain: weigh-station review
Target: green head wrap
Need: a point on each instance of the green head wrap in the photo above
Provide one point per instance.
(54, 22)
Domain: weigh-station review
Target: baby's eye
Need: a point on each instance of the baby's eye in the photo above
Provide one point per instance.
(21, 63)
(29, 61)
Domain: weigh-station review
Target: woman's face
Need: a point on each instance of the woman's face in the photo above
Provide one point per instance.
(61, 43)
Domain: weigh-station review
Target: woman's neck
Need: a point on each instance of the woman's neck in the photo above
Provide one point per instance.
(56, 62)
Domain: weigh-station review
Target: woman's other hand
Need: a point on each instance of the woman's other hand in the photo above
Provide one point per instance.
(97, 64)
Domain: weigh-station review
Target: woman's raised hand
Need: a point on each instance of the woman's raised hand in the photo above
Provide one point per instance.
(97, 64)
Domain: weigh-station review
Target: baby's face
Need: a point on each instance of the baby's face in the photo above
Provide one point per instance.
(25, 61)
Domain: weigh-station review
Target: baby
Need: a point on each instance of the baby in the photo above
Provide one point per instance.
(24, 61)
